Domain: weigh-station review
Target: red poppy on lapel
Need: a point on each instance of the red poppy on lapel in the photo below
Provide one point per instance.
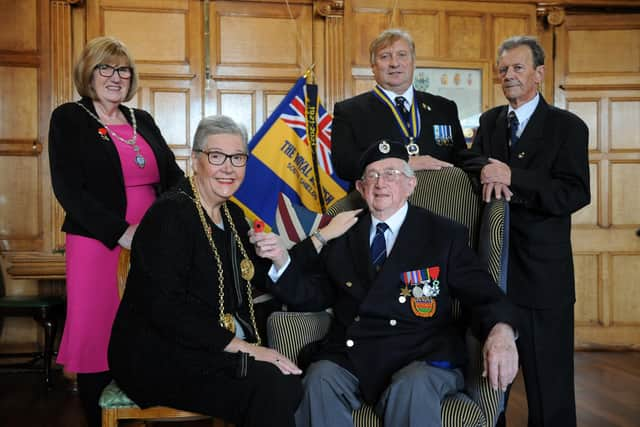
(103, 134)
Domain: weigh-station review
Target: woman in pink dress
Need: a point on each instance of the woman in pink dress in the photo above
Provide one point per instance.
(108, 164)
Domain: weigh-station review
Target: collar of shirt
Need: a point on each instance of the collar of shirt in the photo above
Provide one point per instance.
(394, 222)
(524, 112)
(408, 96)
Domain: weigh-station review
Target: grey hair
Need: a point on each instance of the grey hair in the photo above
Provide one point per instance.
(537, 52)
(217, 125)
(407, 170)
(409, 173)
(386, 38)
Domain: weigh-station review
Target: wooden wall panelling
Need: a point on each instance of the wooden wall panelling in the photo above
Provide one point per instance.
(19, 24)
(25, 195)
(465, 32)
(165, 38)
(425, 27)
(587, 267)
(548, 19)
(447, 33)
(615, 63)
(625, 299)
(257, 51)
(23, 71)
(328, 53)
(597, 73)
(363, 21)
(254, 41)
(62, 91)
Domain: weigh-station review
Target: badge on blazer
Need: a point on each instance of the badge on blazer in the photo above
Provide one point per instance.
(443, 134)
(384, 147)
(421, 286)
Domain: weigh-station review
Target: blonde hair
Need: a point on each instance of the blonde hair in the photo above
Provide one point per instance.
(388, 37)
(102, 50)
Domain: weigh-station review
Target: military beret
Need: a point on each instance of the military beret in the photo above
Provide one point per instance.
(383, 149)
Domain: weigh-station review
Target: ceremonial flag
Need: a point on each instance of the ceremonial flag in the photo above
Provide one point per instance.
(291, 154)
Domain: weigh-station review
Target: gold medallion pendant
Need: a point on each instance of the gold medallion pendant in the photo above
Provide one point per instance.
(247, 270)
(229, 323)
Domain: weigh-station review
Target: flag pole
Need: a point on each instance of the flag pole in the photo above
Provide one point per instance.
(309, 75)
(311, 121)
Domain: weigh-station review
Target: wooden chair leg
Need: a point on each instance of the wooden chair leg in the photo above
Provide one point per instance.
(109, 418)
(49, 324)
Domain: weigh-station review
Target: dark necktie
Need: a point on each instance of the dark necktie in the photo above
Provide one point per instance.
(379, 246)
(513, 128)
(406, 115)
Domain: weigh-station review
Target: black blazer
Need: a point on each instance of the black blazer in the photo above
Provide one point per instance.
(387, 335)
(87, 175)
(360, 121)
(550, 181)
(167, 328)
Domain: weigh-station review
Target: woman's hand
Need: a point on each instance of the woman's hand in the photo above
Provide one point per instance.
(340, 224)
(270, 355)
(270, 246)
(127, 237)
(264, 354)
(337, 227)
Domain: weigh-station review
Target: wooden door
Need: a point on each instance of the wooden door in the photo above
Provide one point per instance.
(597, 74)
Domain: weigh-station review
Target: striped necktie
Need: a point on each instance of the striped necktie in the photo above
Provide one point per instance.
(513, 128)
(379, 246)
(406, 115)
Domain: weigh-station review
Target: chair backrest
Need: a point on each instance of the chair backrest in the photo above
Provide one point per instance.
(449, 192)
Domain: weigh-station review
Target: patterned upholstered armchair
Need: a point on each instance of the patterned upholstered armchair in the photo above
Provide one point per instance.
(448, 192)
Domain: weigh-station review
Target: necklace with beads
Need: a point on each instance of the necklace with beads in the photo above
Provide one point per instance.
(140, 160)
(247, 269)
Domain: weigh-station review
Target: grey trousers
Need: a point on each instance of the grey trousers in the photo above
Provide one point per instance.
(412, 399)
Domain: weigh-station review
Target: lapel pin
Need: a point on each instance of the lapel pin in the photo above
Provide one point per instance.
(521, 155)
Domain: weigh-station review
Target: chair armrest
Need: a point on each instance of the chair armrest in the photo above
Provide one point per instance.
(490, 401)
(493, 240)
(289, 332)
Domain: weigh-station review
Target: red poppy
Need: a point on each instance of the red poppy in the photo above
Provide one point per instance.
(103, 134)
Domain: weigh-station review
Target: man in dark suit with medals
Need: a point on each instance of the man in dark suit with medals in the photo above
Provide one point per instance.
(391, 278)
(536, 156)
(428, 125)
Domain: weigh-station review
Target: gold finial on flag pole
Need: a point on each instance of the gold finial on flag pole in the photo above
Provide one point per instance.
(309, 75)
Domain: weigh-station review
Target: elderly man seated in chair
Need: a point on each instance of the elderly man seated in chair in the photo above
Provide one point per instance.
(390, 279)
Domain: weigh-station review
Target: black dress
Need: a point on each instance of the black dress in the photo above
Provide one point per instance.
(167, 345)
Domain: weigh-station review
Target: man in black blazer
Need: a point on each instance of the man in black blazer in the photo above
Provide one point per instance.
(427, 124)
(392, 342)
(536, 156)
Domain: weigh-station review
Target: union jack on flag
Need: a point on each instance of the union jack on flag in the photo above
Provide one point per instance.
(297, 121)
(291, 154)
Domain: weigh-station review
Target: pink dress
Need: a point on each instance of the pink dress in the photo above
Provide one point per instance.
(92, 290)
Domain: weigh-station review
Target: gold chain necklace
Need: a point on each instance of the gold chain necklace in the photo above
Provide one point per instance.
(246, 266)
(140, 160)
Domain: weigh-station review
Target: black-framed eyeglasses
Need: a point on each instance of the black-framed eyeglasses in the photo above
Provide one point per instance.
(107, 70)
(217, 158)
(389, 175)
